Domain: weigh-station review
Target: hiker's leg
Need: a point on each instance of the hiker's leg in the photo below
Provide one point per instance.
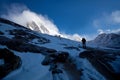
(85, 45)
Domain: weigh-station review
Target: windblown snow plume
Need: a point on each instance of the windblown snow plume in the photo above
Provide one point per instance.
(35, 22)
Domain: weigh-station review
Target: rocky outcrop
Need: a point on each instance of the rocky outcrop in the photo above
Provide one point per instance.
(11, 62)
(18, 45)
(57, 57)
(100, 60)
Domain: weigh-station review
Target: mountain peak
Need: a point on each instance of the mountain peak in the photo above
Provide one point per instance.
(108, 40)
(39, 27)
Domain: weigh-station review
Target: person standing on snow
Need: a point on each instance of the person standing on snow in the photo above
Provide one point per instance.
(83, 42)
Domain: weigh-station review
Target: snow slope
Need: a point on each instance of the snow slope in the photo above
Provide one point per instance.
(32, 69)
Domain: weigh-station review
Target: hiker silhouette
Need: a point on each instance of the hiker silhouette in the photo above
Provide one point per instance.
(83, 42)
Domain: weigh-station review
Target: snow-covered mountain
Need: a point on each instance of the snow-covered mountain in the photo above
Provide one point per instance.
(39, 23)
(38, 27)
(111, 40)
(29, 55)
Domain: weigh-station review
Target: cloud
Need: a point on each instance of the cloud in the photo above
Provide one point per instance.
(14, 8)
(22, 15)
(72, 37)
(115, 16)
(96, 23)
(107, 20)
(101, 31)
(108, 23)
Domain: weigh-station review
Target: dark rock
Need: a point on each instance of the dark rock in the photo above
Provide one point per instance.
(12, 62)
(57, 71)
(26, 36)
(20, 45)
(47, 60)
(62, 56)
(85, 53)
(7, 55)
(53, 55)
(51, 50)
(4, 40)
(1, 33)
(100, 60)
(58, 57)
(72, 47)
